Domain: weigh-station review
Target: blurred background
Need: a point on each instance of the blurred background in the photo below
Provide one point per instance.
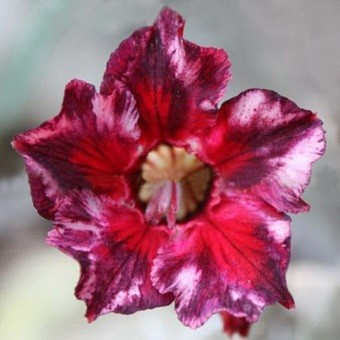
(292, 47)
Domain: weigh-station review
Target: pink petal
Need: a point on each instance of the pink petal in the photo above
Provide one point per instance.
(233, 325)
(114, 248)
(90, 144)
(233, 258)
(265, 143)
(174, 81)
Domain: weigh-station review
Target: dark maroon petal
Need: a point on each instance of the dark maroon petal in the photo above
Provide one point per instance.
(92, 143)
(114, 248)
(175, 82)
(265, 143)
(233, 258)
(233, 325)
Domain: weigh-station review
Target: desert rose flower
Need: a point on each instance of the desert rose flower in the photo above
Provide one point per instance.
(161, 195)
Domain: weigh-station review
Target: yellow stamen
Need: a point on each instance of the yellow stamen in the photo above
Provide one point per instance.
(172, 164)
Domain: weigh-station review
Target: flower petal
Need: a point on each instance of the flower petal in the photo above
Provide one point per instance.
(233, 259)
(265, 143)
(115, 249)
(173, 80)
(233, 325)
(90, 144)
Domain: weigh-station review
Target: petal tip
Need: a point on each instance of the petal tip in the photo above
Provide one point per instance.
(91, 316)
(168, 15)
(18, 143)
(15, 143)
(288, 301)
(77, 94)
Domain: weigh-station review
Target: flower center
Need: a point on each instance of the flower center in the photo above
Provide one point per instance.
(175, 184)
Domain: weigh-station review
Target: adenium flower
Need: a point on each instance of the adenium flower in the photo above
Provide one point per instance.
(162, 196)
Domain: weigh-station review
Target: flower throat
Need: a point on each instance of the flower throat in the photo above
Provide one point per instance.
(175, 184)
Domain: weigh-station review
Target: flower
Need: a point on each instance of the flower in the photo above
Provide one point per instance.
(162, 196)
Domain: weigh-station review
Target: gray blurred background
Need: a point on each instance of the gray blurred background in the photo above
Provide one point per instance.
(292, 47)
